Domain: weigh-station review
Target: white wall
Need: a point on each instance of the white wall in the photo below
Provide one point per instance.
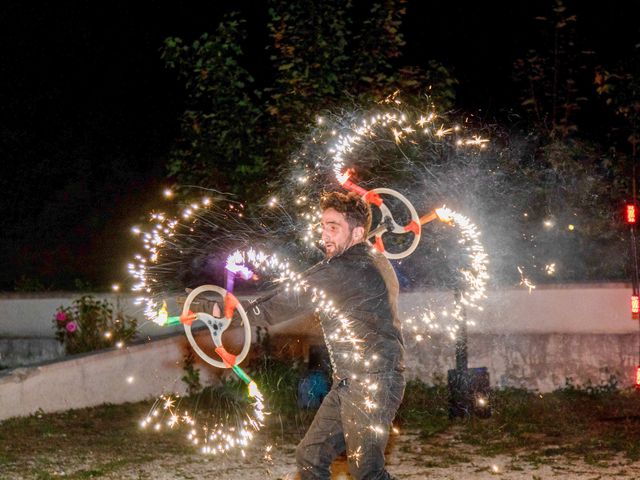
(526, 340)
(599, 308)
(135, 373)
(31, 314)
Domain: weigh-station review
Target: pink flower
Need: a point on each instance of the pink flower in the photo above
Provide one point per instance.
(61, 316)
(72, 327)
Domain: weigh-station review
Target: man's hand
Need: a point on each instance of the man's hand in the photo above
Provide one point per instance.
(200, 304)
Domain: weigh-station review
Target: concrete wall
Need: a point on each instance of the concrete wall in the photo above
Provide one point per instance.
(598, 308)
(534, 341)
(536, 361)
(31, 314)
(135, 373)
(145, 371)
(21, 351)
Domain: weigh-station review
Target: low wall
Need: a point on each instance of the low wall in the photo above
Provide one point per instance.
(21, 351)
(31, 314)
(533, 341)
(535, 361)
(144, 371)
(597, 308)
(138, 372)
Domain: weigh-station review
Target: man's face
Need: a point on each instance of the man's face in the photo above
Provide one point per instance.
(337, 236)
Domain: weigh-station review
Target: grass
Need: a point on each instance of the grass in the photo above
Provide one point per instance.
(83, 443)
(590, 425)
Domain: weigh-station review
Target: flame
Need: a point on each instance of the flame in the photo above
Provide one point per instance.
(163, 314)
(343, 177)
(253, 390)
(235, 264)
(444, 214)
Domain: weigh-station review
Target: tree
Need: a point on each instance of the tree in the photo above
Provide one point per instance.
(326, 55)
(620, 86)
(553, 74)
(220, 145)
(323, 55)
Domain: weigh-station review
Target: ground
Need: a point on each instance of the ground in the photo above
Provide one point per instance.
(408, 458)
(570, 434)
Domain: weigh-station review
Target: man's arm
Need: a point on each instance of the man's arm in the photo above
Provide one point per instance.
(290, 304)
(277, 306)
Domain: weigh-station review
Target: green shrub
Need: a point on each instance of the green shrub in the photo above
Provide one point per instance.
(91, 324)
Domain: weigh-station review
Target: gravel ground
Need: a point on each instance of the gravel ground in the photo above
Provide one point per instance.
(408, 457)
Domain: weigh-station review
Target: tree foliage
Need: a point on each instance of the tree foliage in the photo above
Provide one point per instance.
(325, 55)
(554, 74)
(220, 145)
(620, 86)
(322, 54)
(580, 183)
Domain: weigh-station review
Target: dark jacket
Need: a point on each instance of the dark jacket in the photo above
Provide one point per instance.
(364, 288)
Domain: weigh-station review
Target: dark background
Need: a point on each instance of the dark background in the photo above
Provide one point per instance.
(89, 113)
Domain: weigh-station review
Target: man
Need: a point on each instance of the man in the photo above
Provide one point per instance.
(356, 414)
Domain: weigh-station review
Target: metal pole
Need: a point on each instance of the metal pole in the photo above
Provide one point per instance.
(634, 247)
(462, 358)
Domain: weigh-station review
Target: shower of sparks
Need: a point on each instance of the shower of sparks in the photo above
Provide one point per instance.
(475, 276)
(215, 438)
(356, 455)
(550, 268)
(524, 281)
(340, 332)
(234, 265)
(344, 145)
(171, 246)
(166, 234)
(401, 128)
(267, 453)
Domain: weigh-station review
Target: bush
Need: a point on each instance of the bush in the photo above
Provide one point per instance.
(90, 324)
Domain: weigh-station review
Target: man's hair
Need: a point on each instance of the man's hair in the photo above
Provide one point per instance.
(354, 208)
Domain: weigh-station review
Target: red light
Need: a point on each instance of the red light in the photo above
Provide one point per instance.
(631, 214)
(638, 377)
(635, 306)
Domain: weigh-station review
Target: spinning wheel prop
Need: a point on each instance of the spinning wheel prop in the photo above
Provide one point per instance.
(387, 222)
(216, 326)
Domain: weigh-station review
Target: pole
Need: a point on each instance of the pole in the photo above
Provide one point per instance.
(634, 247)
(462, 358)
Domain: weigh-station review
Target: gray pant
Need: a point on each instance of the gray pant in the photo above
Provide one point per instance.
(345, 423)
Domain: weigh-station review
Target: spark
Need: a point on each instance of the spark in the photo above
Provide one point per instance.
(170, 235)
(216, 438)
(356, 455)
(442, 131)
(524, 281)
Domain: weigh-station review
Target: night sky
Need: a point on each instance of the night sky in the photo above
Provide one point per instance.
(89, 113)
